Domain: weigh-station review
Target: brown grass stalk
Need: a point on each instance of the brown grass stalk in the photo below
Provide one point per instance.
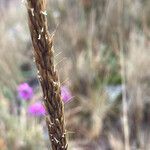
(44, 59)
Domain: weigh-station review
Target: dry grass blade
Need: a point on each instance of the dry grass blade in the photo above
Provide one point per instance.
(43, 53)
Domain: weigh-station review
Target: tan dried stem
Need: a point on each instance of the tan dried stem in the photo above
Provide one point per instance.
(44, 59)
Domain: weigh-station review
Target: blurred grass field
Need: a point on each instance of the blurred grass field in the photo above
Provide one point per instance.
(102, 54)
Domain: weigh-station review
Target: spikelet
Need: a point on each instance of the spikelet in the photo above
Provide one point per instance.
(44, 59)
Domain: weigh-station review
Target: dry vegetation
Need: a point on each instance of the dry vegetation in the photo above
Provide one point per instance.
(99, 46)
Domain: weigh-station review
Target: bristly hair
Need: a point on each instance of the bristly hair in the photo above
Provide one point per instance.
(44, 59)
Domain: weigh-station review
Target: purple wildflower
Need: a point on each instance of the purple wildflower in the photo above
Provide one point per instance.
(65, 94)
(36, 109)
(25, 91)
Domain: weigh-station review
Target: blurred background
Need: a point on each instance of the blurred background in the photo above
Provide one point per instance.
(102, 54)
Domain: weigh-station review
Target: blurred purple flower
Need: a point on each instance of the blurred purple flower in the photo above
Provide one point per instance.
(36, 109)
(25, 91)
(65, 94)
